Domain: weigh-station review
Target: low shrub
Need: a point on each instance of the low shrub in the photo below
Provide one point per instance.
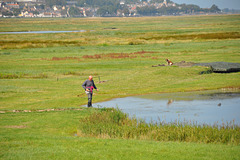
(208, 71)
(11, 76)
(39, 76)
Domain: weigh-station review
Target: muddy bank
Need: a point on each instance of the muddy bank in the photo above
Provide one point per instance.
(217, 67)
(179, 64)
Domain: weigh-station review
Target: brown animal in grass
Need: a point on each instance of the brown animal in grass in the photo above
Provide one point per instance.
(169, 62)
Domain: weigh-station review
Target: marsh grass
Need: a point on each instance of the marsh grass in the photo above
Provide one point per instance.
(23, 75)
(64, 69)
(224, 35)
(118, 55)
(38, 43)
(129, 39)
(112, 123)
(26, 60)
(129, 31)
(52, 135)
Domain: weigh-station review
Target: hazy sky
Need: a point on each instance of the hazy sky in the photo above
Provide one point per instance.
(231, 4)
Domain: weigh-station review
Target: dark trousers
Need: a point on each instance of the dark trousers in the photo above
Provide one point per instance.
(89, 99)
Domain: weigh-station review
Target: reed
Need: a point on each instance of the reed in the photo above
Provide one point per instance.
(113, 123)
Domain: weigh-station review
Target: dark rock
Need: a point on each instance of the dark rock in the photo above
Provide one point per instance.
(221, 67)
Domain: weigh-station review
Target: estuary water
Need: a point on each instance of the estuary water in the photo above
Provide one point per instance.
(41, 32)
(208, 107)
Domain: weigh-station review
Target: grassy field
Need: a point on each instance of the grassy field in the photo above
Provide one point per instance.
(46, 71)
(51, 135)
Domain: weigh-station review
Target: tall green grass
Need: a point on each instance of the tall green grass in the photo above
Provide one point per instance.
(112, 123)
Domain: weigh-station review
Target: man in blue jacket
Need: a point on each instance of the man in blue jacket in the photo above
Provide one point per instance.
(89, 85)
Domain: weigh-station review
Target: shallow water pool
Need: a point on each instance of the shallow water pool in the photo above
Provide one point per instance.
(208, 107)
(41, 32)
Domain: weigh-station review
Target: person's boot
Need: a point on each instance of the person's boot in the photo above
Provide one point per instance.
(89, 104)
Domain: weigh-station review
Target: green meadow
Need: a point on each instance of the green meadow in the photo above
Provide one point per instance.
(39, 72)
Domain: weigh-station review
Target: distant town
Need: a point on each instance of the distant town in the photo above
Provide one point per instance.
(103, 8)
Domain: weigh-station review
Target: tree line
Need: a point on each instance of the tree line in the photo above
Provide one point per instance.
(175, 10)
(110, 7)
(113, 7)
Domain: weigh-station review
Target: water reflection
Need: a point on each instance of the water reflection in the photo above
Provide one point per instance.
(208, 107)
(170, 101)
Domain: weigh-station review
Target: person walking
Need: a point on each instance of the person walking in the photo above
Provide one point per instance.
(88, 86)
